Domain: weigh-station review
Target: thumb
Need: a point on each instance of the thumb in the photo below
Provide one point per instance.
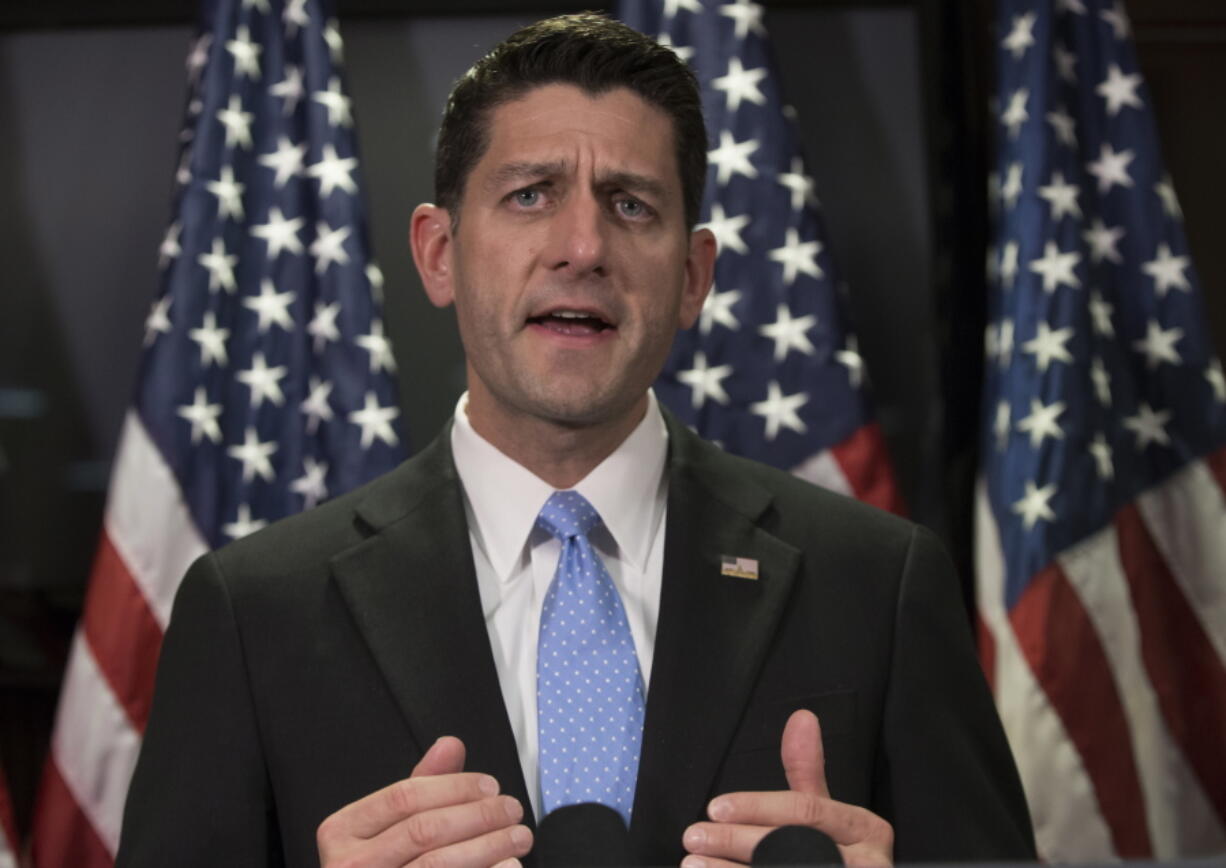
(804, 763)
(445, 756)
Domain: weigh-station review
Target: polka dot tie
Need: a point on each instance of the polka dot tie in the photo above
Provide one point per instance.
(589, 692)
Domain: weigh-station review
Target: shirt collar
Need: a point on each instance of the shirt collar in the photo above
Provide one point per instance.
(627, 489)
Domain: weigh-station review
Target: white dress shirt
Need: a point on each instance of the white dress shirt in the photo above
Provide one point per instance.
(515, 561)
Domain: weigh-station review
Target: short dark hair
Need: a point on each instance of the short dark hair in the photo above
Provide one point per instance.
(592, 52)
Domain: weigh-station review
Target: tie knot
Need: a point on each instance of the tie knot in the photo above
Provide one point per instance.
(567, 514)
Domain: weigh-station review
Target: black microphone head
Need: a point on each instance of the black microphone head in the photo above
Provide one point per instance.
(796, 845)
(586, 835)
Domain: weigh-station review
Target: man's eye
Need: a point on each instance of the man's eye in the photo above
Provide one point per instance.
(527, 198)
(630, 207)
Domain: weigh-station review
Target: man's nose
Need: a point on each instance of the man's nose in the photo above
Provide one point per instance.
(580, 242)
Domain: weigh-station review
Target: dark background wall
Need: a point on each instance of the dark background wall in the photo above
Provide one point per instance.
(890, 97)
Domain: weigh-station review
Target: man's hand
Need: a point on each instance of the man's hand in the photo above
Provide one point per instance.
(438, 817)
(741, 820)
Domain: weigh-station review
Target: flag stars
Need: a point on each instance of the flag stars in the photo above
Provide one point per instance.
(379, 347)
(1103, 240)
(1158, 345)
(1065, 61)
(705, 381)
(255, 456)
(746, 15)
(1100, 315)
(280, 233)
(850, 358)
(672, 7)
(1008, 263)
(1217, 382)
(311, 484)
(322, 326)
(799, 184)
(286, 161)
(1111, 168)
(1056, 268)
(1101, 381)
(740, 84)
(295, 17)
(1015, 115)
(264, 382)
(1035, 505)
(243, 525)
(375, 422)
(1149, 425)
(329, 246)
(732, 158)
(169, 249)
(1101, 452)
(337, 104)
(788, 333)
(220, 266)
(779, 411)
(717, 309)
(158, 320)
(332, 171)
(271, 307)
(1170, 202)
(1041, 423)
(316, 406)
(202, 416)
(229, 194)
(1061, 196)
(1011, 189)
(1118, 19)
(1076, 7)
(1167, 271)
(683, 52)
(1048, 346)
(332, 37)
(212, 341)
(1021, 36)
(291, 89)
(246, 53)
(1002, 423)
(727, 230)
(1064, 127)
(797, 257)
(1120, 90)
(237, 123)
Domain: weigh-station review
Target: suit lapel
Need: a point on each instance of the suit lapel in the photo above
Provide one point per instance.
(412, 590)
(713, 633)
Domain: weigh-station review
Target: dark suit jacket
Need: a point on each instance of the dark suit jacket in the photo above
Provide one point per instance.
(313, 662)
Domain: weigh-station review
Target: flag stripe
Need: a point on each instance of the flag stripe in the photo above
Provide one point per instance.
(860, 457)
(1063, 806)
(8, 826)
(1190, 507)
(127, 658)
(1060, 643)
(825, 470)
(987, 649)
(94, 745)
(1095, 571)
(63, 835)
(147, 520)
(1217, 466)
(1182, 663)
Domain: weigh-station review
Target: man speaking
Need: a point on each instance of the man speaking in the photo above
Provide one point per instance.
(568, 597)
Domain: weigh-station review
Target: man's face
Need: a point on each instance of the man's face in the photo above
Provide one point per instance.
(572, 268)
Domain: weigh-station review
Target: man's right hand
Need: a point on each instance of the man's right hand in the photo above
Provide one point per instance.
(438, 817)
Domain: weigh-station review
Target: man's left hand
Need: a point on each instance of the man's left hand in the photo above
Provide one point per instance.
(740, 820)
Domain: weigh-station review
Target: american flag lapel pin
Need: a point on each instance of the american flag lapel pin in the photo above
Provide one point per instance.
(740, 568)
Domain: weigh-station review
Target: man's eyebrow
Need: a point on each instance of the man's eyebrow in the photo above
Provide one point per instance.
(633, 182)
(523, 171)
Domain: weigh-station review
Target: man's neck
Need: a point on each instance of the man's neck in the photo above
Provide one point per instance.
(560, 454)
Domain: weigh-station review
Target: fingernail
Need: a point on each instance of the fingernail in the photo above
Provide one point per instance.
(693, 862)
(719, 809)
(513, 808)
(695, 837)
(521, 837)
(487, 785)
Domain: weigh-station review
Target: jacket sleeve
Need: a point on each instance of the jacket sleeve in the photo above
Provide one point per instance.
(200, 793)
(945, 775)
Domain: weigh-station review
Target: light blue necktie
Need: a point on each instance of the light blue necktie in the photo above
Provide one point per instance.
(589, 692)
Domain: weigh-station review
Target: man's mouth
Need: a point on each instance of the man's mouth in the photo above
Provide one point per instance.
(571, 322)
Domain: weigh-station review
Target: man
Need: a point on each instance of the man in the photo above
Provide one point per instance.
(374, 682)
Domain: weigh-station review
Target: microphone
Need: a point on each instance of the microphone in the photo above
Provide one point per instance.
(796, 845)
(586, 835)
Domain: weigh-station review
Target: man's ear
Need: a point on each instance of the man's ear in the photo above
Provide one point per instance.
(431, 242)
(699, 272)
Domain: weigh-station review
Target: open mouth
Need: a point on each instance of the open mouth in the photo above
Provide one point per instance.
(572, 322)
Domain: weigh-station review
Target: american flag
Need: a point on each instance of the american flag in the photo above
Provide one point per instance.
(773, 370)
(266, 384)
(8, 827)
(1101, 513)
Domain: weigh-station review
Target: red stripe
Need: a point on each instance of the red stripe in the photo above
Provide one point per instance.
(1059, 641)
(120, 628)
(8, 825)
(866, 465)
(987, 651)
(63, 836)
(1182, 663)
(1217, 466)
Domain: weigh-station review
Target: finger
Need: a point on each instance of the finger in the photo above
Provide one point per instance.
(693, 861)
(804, 762)
(372, 814)
(488, 849)
(445, 756)
(733, 841)
(440, 828)
(846, 824)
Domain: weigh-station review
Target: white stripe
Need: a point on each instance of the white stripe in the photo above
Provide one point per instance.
(1068, 825)
(147, 520)
(824, 470)
(1186, 516)
(1181, 821)
(8, 857)
(94, 745)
